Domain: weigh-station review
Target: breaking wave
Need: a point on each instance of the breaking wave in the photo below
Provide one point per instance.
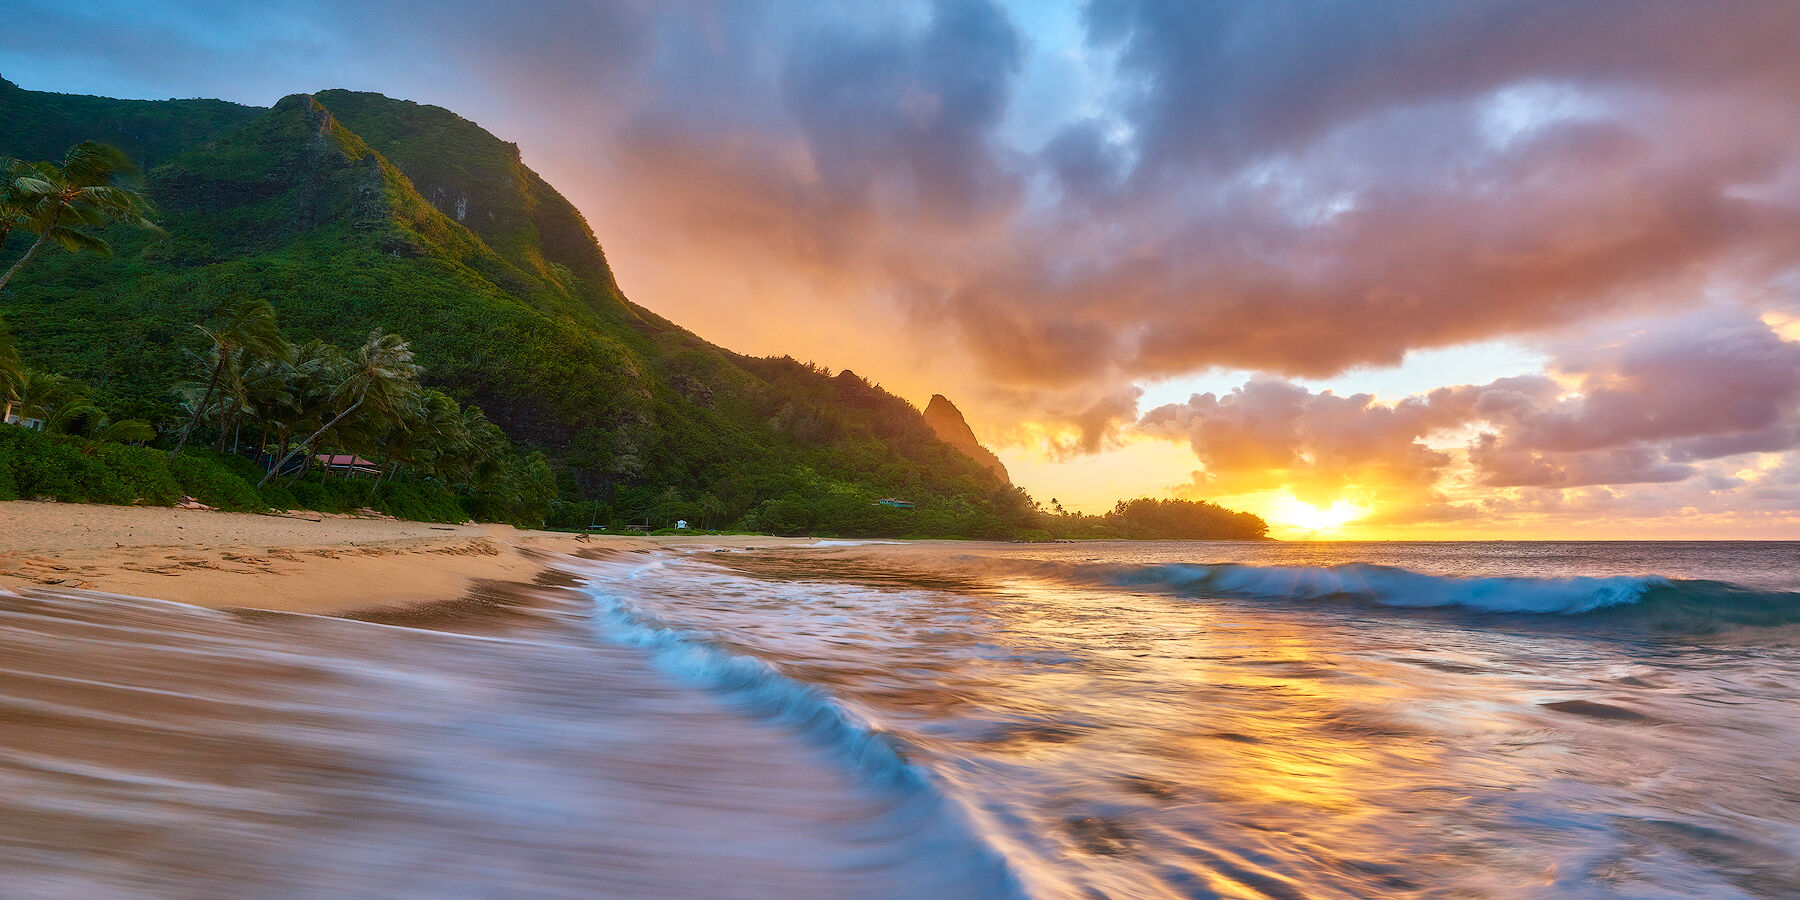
(759, 689)
(1651, 600)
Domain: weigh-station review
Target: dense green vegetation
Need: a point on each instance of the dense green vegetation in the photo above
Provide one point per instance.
(42, 125)
(37, 465)
(435, 461)
(355, 214)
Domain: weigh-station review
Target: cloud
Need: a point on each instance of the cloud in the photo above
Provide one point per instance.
(904, 119)
(954, 196)
(1653, 405)
(1319, 447)
(1218, 83)
(1646, 405)
(1289, 188)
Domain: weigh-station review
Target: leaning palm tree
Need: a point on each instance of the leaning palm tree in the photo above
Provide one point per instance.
(382, 380)
(56, 202)
(246, 331)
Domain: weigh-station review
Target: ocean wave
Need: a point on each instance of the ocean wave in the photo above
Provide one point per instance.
(760, 689)
(1654, 600)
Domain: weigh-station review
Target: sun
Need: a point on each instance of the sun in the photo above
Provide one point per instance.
(1300, 516)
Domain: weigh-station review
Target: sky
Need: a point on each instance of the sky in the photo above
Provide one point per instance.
(1406, 269)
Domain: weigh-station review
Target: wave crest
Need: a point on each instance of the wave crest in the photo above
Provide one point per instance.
(1654, 600)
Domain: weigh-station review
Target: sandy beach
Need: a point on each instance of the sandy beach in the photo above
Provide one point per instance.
(303, 562)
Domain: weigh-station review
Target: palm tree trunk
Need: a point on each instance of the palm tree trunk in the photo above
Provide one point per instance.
(200, 410)
(42, 237)
(315, 436)
(375, 485)
(225, 420)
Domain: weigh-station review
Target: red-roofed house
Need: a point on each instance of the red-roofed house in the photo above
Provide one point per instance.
(346, 464)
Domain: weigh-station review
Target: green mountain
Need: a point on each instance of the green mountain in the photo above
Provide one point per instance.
(351, 211)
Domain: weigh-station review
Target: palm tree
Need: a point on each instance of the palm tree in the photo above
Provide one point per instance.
(55, 201)
(431, 430)
(55, 399)
(267, 391)
(102, 430)
(245, 329)
(382, 379)
(483, 446)
(307, 384)
(20, 190)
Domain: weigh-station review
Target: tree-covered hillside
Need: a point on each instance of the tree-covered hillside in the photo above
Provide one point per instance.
(39, 125)
(350, 212)
(431, 227)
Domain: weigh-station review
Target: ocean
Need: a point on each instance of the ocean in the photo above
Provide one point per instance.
(866, 719)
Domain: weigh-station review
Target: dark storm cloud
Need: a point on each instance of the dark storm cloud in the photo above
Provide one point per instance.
(1221, 81)
(906, 119)
(1318, 186)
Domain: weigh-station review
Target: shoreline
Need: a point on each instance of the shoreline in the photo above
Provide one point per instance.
(329, 565)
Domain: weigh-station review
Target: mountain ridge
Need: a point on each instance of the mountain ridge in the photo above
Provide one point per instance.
(508, 299)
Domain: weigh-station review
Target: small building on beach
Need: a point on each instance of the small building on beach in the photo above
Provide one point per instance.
(347, 464)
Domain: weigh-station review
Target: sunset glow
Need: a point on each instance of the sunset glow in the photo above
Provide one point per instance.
(1498, 285)
(1298, 518)
(953, 449)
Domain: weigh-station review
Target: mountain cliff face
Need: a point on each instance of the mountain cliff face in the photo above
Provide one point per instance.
(350, 211)
(948, 423)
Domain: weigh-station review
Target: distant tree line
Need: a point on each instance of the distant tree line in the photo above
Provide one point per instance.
(1147, 518)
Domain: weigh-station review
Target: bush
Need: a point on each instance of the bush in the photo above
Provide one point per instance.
(318, 497)
(214, 484)
(418, 500)
(141, 473)
(278, 496)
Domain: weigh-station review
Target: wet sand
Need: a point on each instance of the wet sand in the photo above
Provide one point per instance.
(304, 562)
